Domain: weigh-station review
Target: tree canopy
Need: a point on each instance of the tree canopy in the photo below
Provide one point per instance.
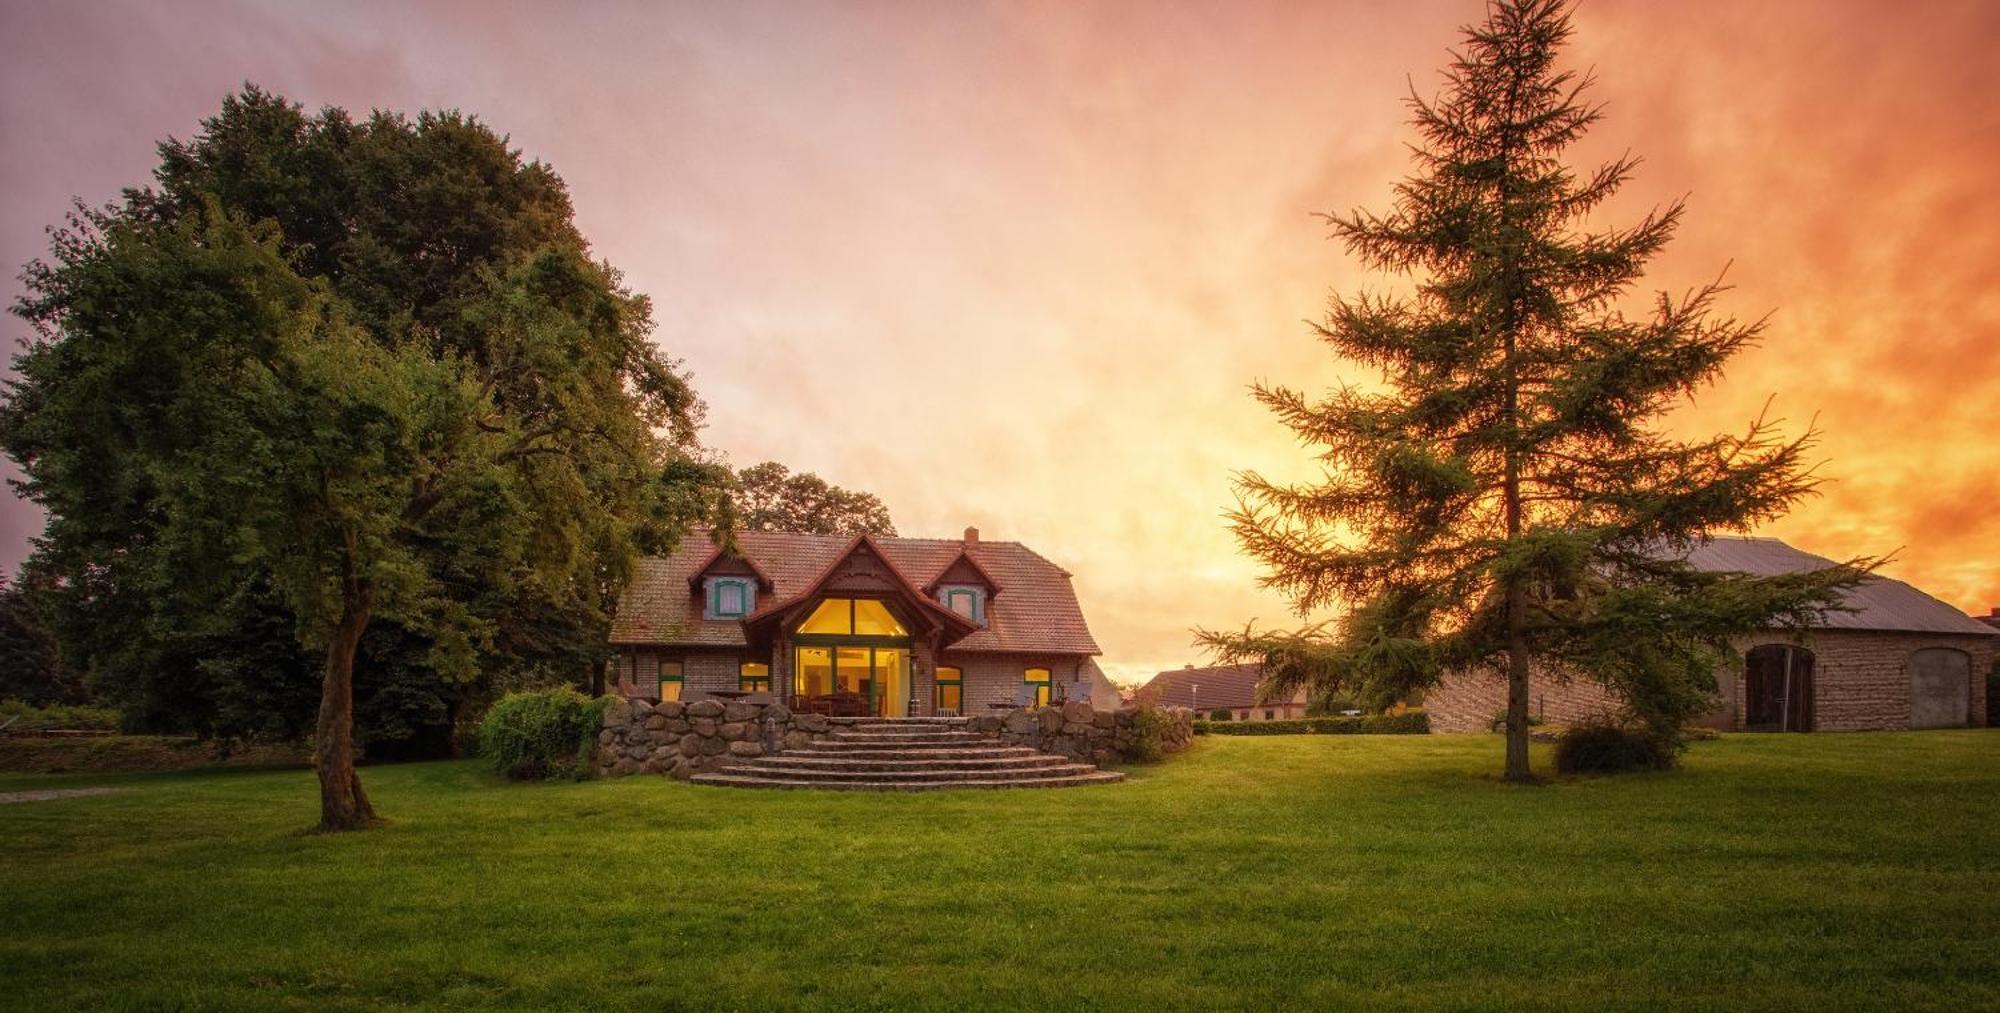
(344, 371)
(768, 497)
(1506, 493)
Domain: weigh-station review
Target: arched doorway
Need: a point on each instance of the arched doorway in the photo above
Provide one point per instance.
(1940, 688)
(1778, 689)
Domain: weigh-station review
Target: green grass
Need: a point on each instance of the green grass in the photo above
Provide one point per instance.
(1821, 871)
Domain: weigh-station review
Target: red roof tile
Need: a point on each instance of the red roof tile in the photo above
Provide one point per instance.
(1036, 611)
(1221, 686)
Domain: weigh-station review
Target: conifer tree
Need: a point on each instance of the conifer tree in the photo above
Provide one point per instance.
(1506, 497)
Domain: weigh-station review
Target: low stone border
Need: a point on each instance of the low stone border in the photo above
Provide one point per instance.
(684, 739)
(1080, 732)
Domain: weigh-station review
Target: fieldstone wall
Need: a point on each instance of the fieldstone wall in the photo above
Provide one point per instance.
(685, 739)
(1078, 731)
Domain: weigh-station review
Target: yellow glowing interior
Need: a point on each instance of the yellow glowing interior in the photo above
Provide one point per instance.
(844, 617)
(1038, 680)
(950, 688)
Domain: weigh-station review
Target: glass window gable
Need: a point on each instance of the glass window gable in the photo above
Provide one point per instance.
(852, 617)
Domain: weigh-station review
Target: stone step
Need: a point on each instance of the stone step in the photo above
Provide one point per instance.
(811, 761)
(901, 735)
(866, 752)
(761, 781)
(783, 772)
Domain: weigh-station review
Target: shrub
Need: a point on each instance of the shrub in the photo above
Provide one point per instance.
(548, 735)
(1149, 735)
(1220, 715)
(1608, 748)
(1411, 722)
(29, 718)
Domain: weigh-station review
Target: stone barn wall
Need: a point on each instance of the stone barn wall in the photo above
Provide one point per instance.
(1861, 682)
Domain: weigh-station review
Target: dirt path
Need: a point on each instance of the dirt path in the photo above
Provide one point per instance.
(49, 793)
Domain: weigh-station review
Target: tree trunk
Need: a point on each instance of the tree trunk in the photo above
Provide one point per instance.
(1517, 687)
(342, 803)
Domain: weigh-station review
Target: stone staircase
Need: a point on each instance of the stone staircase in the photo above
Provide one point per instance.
(907, 754)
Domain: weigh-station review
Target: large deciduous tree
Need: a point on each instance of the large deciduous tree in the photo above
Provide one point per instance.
(364, 372)
(769, 497)
(1506, 496)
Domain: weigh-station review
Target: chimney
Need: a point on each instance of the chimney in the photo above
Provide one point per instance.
(971, 537)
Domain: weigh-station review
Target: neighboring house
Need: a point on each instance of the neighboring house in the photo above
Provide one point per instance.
(854, 626)
(1895, 658)
(1231, 688)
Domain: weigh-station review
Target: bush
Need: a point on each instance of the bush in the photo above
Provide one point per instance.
(1608, 748)
(1411, 722)
(1149, 735)
(29, 718)
(1220, 715)
(550, 735)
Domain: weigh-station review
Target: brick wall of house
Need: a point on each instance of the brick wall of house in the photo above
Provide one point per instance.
(1861, 682)
(991, 678)
(988, 677)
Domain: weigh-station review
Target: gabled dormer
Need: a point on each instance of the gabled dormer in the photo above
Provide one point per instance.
(964, 586)
(728, 585)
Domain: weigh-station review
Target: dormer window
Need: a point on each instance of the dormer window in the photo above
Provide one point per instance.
(731, 597)
(969, 602)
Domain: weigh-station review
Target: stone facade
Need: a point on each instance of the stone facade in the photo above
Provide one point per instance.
(1861, 682)
(684, 739)
(1078, 731)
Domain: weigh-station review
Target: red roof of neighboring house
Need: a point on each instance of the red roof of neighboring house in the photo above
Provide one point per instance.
(1038, 612)
(1220, 686)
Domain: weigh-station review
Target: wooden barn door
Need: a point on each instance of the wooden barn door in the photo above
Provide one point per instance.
(1778, 689)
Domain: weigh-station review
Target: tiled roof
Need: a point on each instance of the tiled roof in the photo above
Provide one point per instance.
(1203, 688)
(1035, 611)
(1879, 603)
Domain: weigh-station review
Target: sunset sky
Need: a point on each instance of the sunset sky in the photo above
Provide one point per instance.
(1013, 265)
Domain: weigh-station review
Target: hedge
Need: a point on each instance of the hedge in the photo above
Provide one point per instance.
(1412, 722)
(547, 735)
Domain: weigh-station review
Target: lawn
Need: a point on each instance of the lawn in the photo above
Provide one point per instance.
(1794, 871)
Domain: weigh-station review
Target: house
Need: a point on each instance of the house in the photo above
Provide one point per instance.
(1893, 658)
(1231, 688)
(856, 626)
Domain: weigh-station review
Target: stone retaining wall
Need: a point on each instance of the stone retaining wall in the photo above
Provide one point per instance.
(685, 739)
(1077, 731)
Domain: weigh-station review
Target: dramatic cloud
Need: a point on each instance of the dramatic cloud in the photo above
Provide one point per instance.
(1013, 265)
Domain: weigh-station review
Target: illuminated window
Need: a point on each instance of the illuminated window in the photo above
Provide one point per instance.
(730, 597)
(872, 619)
(813, 674)
(1038, 681)
(845, 617)
(969, 602)
(753, 677)
(671, 680)
(950, 688)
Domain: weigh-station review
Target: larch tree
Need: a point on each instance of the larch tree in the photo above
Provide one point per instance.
(1506, 496)
(368, 366)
